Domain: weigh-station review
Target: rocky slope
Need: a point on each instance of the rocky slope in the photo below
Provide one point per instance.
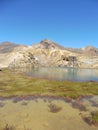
(14, 56)
(51, 54)
(47, 53)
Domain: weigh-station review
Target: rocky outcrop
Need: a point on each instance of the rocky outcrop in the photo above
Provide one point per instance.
(14, 56)
(23, 59)
(67, 61)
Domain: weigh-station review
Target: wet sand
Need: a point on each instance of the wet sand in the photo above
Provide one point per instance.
(37, 114)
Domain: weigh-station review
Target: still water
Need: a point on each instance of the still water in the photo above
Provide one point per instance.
(58, 73)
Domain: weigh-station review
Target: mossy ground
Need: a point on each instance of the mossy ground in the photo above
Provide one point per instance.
(15, 84)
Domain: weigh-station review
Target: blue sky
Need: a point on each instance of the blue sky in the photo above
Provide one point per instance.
(71, 23)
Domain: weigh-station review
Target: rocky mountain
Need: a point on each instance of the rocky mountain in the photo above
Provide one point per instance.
(47, 53)
(48, 45)
(50, 53)
(90, 51)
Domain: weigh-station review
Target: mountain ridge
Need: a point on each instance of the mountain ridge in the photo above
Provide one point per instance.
(45, 40)
(47, 53)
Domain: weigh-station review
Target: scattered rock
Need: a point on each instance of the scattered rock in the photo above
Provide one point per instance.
(92, 119)
(79, 106)
(54, 108)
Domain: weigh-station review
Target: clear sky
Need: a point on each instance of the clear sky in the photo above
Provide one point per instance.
(71, 23)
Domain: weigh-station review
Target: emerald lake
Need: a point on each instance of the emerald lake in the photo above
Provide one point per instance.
(64, 73)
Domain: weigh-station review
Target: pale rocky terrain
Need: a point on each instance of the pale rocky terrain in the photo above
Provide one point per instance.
(12, 55)
(47, 53)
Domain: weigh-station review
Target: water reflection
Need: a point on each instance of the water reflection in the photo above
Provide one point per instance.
(57, 73)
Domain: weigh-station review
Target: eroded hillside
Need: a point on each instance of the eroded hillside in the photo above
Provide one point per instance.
(47, 53)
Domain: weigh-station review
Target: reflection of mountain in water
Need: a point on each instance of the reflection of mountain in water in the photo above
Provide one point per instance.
(57, 73)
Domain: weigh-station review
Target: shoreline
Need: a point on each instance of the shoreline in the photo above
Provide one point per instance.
(14, 84)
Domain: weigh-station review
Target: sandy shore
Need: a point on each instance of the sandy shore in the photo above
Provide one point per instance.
(37, 114)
